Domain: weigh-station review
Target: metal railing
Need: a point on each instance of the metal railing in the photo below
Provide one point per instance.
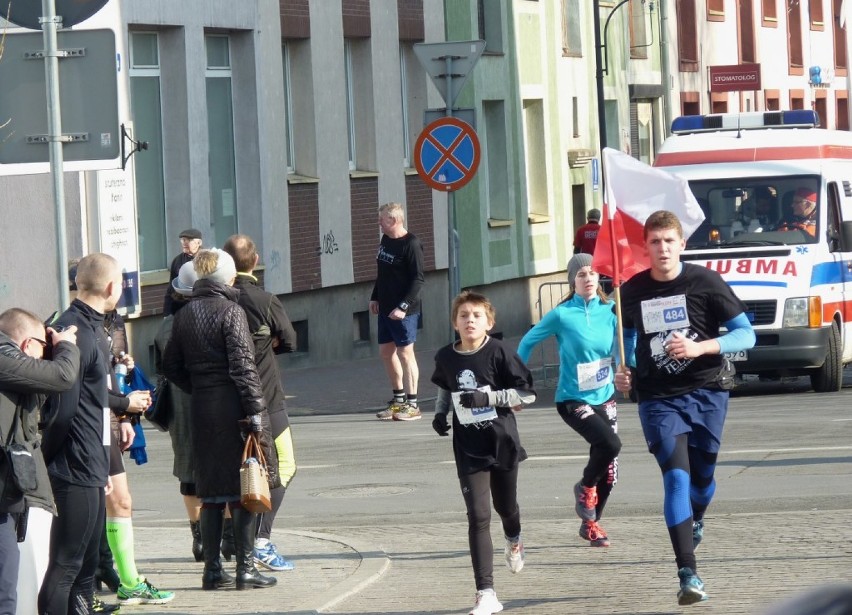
(550, 294)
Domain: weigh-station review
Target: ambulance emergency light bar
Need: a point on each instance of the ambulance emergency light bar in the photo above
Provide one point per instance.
(800, 118)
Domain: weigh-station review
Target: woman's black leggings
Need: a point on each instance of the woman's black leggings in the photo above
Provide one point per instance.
(502, 486)
(599, 427)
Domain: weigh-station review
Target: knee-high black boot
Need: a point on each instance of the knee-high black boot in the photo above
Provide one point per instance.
(211, 522)
(228, 548)
(245, 528)
(197, 549)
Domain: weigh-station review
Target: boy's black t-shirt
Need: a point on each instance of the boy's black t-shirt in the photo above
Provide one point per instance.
(656, 310)
(488, 444)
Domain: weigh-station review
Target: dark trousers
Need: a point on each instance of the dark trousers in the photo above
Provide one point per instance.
(10, 560)
(598, 425)
(279, 421)
(502, 487)
(74, 539)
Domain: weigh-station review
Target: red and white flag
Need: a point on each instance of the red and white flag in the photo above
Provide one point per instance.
(634, 191)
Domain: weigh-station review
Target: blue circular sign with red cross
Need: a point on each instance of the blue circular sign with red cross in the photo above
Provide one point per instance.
(447, 154)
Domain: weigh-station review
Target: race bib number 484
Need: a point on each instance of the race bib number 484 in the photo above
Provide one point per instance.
(664, 314)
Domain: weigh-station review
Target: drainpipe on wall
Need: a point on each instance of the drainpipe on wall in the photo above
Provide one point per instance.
(664, 67)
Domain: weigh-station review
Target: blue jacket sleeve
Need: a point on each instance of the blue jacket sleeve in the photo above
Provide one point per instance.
(740, 335)
(544, 329)
(630, 347)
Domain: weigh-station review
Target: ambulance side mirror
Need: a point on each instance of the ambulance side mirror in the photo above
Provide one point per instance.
(846, 236)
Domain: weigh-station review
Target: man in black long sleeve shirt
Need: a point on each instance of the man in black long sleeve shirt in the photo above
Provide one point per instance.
(273, 334)
(396, 301)
(76, 444)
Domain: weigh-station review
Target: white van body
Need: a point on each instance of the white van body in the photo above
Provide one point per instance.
(796, 286)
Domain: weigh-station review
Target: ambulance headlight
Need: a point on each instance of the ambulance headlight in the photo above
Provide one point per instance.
(795, 312)
(802, 312)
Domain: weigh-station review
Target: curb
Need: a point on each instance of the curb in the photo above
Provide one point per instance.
(374, 563)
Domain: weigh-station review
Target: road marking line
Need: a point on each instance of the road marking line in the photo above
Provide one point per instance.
(808, 449)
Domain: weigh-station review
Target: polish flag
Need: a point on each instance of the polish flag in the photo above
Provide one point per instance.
(634, 191)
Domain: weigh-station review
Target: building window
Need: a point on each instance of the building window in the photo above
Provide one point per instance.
(772, 100)
(413, 83)
(575, 117)
(288, 110)
(816, 15)
(572, 40)
(489, 13)
(715, 10)
(794, 39)
(687, 36)
(690, 103)
(841, 111)
(220, 131)
(839, 39)
(797, 99)
(748, 53)
(536, 155)
(770, 13)
(496, 158)
(350, 104)
(361, 326)
(638, 32)
(821, 107)
(403, 95)
(150, 175)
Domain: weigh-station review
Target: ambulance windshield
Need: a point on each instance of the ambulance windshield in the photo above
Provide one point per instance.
(765, 211)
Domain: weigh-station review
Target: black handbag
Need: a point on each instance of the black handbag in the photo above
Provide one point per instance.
(159, 413)
(17, 466)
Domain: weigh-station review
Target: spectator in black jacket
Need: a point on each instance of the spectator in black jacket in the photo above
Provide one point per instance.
(190, 243)
(76, 444)
(272, 334)
(25, 380)
(211, 356)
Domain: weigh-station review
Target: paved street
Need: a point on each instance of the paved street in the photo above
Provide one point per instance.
(375, 523)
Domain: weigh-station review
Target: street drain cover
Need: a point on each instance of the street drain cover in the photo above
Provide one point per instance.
(364, 491)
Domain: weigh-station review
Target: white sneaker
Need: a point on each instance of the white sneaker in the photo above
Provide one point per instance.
(514, 556)
(486, 603)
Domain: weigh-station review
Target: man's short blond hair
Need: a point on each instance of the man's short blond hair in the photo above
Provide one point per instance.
(395, 211)
(95, 271)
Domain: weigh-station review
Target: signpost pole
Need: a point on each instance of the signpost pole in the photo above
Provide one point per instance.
(49, 23)
(452, 234)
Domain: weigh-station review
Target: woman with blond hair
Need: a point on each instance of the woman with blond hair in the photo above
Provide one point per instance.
(211, 356)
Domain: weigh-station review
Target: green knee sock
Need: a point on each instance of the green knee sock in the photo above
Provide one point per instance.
(120, 538)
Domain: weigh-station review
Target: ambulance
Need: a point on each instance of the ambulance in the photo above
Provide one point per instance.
(776, 191)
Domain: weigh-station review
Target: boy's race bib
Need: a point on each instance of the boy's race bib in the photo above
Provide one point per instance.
(469, 416)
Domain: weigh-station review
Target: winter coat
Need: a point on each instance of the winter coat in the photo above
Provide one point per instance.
(210, 356)
(24, 383)
(180, 430)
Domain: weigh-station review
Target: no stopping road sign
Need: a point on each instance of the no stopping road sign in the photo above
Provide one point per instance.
(446, 154)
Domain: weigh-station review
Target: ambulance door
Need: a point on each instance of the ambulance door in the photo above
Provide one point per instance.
(843, 260)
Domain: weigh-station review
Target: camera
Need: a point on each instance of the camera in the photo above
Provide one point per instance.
(48, 350)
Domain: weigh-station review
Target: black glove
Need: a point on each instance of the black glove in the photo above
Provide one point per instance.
(474, 399)
(440, 424)
(253, 423)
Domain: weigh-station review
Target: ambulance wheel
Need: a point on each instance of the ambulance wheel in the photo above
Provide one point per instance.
(829, 377)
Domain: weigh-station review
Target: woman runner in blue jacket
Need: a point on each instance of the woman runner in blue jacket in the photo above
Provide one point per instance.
(585, 328)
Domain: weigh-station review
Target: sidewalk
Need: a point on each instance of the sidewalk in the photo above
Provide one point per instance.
(362, 385)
